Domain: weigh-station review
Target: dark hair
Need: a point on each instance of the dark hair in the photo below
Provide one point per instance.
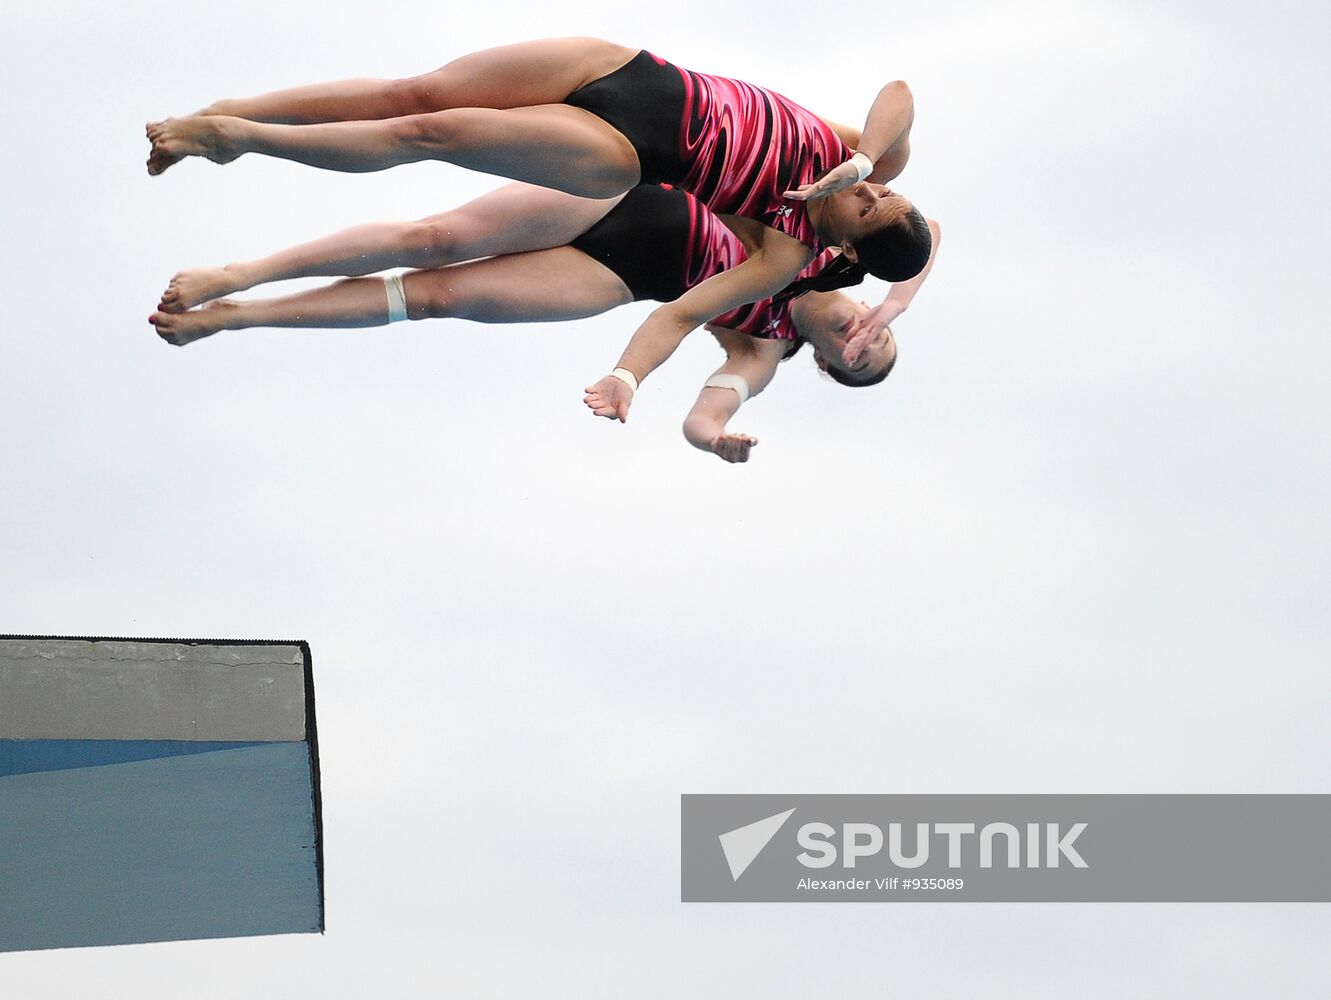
(897, 253)
(894, 253)
(841, 273)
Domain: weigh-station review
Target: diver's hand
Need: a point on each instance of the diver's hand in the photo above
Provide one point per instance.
(733, 447)
(851, 172)
(610, 398)
(869, 330)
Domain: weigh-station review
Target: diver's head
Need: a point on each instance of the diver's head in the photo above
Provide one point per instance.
(826, 320)
(877, 229)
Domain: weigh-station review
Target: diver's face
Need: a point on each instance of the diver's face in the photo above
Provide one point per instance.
(864, 208)
(828, 322)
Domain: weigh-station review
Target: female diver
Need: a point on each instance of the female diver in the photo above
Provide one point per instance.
(547, 256)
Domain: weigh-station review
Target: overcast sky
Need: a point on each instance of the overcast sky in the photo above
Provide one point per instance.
(1076, 543)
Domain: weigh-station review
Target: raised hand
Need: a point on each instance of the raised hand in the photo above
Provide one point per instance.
(733, 447)
(851, 172)
(610, 398)
(869, 330)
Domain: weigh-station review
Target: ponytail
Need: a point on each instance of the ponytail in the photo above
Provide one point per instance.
(841, 273)
(894, 253)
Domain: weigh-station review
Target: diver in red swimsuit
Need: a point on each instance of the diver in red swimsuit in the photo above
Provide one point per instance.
(735, 147)
(500, 259)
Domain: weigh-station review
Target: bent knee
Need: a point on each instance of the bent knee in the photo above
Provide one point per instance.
(434, 242)
(429, 303)
(416, 95)
(433, 132)
(434, 294)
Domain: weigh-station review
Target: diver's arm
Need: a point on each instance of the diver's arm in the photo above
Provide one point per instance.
(903, 292)
(748, 359)
(885, 140)
(848, 134)
(886, 136)
(775, 262)
(872, 326)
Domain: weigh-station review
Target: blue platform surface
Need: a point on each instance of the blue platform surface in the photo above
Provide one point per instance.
(219, 843)
(27, 756)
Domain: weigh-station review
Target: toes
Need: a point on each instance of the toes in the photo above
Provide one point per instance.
(160, 159)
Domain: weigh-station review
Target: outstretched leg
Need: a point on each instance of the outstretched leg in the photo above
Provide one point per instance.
(546, 285)
(511, 76)
(553, 145)
(514, 219)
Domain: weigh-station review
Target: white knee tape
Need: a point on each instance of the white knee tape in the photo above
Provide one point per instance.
(397, 298)
(736, 382)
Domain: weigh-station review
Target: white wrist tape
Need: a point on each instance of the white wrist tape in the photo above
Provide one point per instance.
(397, 298)
(736, 382)
(627, 377)
(863, 165)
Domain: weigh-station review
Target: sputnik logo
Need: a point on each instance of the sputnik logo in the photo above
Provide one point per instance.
(744, 844)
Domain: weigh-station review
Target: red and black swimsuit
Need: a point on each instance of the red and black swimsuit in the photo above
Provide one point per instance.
(661, 242)
(734, 146)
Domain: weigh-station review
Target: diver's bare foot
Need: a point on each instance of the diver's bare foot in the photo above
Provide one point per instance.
(197, 135)
(200, 284)
(157, 161)
(184, 328)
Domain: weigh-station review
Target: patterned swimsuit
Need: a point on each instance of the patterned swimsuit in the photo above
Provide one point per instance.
(734, 146)
(661, 242)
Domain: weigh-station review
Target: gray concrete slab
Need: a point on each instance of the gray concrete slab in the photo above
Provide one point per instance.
(150, 690)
